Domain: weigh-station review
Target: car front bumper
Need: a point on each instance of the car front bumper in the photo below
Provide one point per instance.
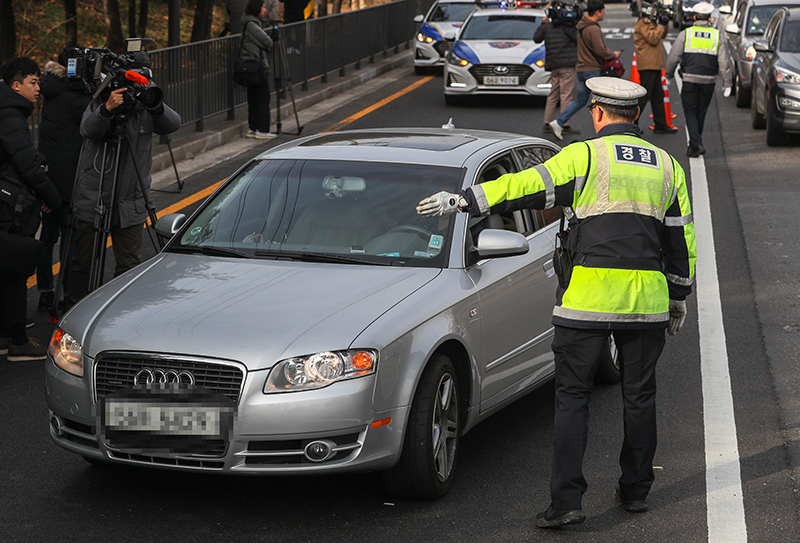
(427, 55)
(270, 433)
(469, 80)
(786, 105)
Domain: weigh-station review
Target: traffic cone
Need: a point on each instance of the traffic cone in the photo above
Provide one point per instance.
(635, 71)
(667, 108)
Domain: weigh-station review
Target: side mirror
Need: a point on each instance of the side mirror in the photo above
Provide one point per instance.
(762, 46)
(419, 18)
(168, 225)
(501, 243)
(451, 35)
(725, 10)
(732, 28)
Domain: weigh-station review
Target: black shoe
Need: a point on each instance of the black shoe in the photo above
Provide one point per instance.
(634, 506)
(30, 323)
(546, 128)
(46, 301)
(664, 130)
(569, 130)
(553, 518)
(695, 150)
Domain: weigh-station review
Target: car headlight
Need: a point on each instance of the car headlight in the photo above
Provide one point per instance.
(423, 38)
(456, 60)
(782, 75)
(750, 53)
(66, 352)
(320, 370)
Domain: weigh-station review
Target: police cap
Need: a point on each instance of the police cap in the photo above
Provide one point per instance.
(615, 91)
(703, 9)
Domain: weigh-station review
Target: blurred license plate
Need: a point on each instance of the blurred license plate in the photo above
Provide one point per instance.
(163, 418)
(501, 80)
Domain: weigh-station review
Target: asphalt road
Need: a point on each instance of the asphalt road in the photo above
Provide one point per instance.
(502, 482)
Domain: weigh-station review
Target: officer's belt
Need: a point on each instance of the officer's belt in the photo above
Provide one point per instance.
(644, 264)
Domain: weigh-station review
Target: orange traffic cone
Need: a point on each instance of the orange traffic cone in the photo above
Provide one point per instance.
(667, 108)
(635, 70)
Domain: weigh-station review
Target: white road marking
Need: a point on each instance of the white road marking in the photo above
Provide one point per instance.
(724, 497)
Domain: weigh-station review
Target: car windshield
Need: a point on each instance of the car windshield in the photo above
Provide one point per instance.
(444, 12)
(330, 211)
(758, 18)
(790, 40)
(500, 27)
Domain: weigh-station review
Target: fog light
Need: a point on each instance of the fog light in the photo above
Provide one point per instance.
(319, 451)
(56, 425)
(788, 103)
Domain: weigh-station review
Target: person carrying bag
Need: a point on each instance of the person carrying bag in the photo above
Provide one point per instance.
(252, 69)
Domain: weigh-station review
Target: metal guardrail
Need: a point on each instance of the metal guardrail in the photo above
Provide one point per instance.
(197, 78)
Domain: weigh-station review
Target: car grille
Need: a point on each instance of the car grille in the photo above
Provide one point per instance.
(115, 371)
(443, 47)
(479, 71)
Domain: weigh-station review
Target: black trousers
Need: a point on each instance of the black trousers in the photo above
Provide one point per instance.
(13, 307)
(696, 97)
(651, 81)
(577, 355)
(258, 107)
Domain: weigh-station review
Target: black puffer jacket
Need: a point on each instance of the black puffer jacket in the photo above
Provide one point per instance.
(60, 129)
(561, 45)
(20, 162)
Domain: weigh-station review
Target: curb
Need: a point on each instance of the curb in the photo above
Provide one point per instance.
(188, 146)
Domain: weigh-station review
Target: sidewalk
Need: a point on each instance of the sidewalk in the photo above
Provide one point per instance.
(187, 143)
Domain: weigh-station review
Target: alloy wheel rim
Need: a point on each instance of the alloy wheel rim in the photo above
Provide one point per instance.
(445, 427)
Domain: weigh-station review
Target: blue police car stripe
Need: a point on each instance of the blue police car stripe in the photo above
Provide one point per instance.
(429, 30)
(535, 56)
(463, 50)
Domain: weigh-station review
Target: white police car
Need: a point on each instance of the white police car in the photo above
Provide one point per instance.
(438, 32)
(495, 53)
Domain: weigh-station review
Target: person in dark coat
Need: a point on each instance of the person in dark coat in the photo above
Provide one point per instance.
(24, 190)
(256, 45)
(60, 142)
(129, 211)
(561, 42)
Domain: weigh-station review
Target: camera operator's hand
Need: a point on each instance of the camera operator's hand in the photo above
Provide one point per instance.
(617, 54)
(546, 20)
(115, 99)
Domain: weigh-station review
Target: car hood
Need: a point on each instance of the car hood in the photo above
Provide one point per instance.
(500, 51)
(254, 311)
(790, 61)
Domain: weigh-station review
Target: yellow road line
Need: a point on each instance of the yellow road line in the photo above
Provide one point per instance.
(186, 202)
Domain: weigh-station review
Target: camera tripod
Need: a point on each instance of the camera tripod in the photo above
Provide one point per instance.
(281, 73)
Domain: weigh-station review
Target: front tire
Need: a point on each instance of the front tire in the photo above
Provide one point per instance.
(757, 120)
(775, 136)
(430, 448)
(742, 94)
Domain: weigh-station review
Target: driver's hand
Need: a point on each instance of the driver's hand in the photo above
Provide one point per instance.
(442, 203)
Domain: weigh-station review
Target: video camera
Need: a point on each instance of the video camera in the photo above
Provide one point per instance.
(657, 12)
(99, 71)
(274, 29)
(563, 14)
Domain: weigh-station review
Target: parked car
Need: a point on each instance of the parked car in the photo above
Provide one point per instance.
(752, 17)
(684, 12)
(438, 31)
(775, 103)
(495, 54)
(306, 320)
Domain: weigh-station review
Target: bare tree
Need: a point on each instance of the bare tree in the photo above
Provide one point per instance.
(113, 26)
(141, 29)
(131, 18)
(337, 6)
(203, 14)
(322, 8)
(70, 23)
(8, 31)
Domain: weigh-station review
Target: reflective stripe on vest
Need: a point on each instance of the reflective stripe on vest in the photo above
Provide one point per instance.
(637, 156)
(702, 40)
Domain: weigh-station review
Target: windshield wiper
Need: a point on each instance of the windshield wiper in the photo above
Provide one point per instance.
(211, 250)
(327, 258)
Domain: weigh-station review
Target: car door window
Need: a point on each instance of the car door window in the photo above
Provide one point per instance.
(529, 157)
(513, 221)
(790, 40)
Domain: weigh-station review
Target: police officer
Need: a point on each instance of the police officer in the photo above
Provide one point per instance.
(701, 53)
(632, 241)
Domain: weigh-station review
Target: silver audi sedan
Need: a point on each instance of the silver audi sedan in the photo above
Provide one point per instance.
(305, 319)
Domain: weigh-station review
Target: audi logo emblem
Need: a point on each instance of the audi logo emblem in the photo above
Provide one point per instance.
(149, 376)
(501, 69)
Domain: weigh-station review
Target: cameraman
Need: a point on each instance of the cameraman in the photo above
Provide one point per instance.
(561, 42)
(136, 123)
(651, 29)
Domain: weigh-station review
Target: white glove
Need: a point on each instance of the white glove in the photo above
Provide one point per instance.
(726, 91)
(669, 82)
(442, 203)
(677, 314)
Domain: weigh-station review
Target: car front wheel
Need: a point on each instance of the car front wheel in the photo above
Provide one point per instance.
(742, 94)
(430, 448)
(757, 120)
(775, 136)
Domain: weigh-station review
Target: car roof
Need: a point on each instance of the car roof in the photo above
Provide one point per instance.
(435, 146)
(529, 12)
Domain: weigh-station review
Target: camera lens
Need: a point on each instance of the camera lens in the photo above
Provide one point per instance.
(151, 97)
